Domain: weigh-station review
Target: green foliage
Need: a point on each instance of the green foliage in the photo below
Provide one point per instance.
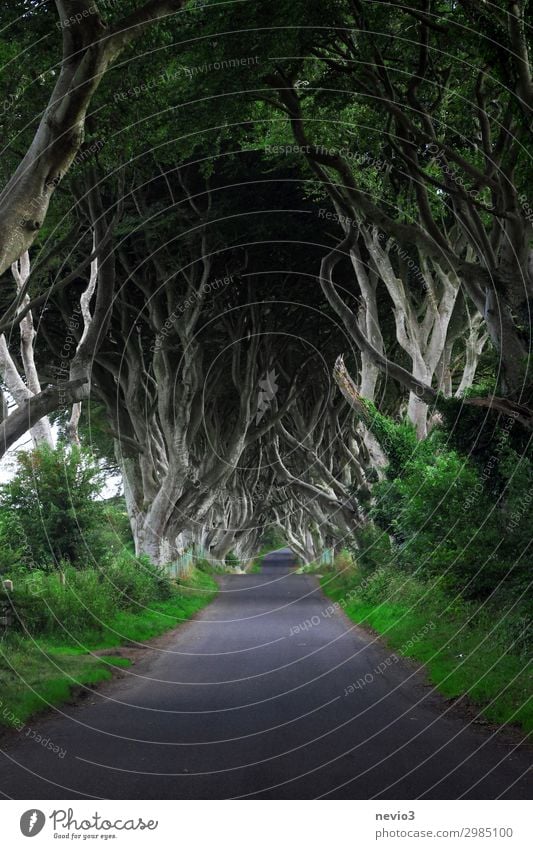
(374, 548)
(448, 515)
(135, 580)
(39, 671)
(232, 561)
(205, 566)
(480, 429)
(272, 538)
(36, 677)
(117, 524)
(398, 439)
(73, 601)
(481, 650)
(94, 433)
(49, 512)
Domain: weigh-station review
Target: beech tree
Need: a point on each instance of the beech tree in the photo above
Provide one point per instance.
(396, 149)
(331, 229)
(177, 350)
(22, 390)
(89, 47)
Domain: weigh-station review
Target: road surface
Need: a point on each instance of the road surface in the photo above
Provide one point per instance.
(243, 702)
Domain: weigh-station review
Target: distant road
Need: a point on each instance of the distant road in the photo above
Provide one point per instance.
(239, 703)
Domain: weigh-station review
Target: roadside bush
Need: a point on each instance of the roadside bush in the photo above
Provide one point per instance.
(344, 563)
(73, 600)
(42, 604)
(204, 565)
(49, 512)
(135, 580)
(118, 528)
(232, 561)
(439, 513)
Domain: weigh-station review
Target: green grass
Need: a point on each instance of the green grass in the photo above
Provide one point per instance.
(41, 672)
(467, 649)
(145, 622)
(35, 676)
(311, 568)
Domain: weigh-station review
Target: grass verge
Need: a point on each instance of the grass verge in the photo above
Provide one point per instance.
(40, 672)
(468, 649)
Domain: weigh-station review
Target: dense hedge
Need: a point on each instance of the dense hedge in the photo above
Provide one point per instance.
(440, 512)
(75, 600)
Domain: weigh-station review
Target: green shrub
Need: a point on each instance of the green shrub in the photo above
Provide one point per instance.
(442, 514)
(374, 548)
(117, 523)
(398, 439)
(72, 601)
(39, 671)
(467, 647)
(49, 512)
(135, 580)
(232, 561)
(43, 604)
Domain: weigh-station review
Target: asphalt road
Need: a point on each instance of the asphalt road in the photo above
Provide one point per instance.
(241, 703)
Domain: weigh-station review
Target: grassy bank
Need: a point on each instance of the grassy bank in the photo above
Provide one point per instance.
(43, 668)
(475, 649)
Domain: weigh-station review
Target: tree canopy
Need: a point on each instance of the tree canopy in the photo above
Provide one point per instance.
(271, 247)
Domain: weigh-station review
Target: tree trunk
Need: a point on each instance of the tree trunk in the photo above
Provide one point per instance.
(88, 50)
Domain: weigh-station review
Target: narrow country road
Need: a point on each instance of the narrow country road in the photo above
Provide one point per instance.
(233, 705)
